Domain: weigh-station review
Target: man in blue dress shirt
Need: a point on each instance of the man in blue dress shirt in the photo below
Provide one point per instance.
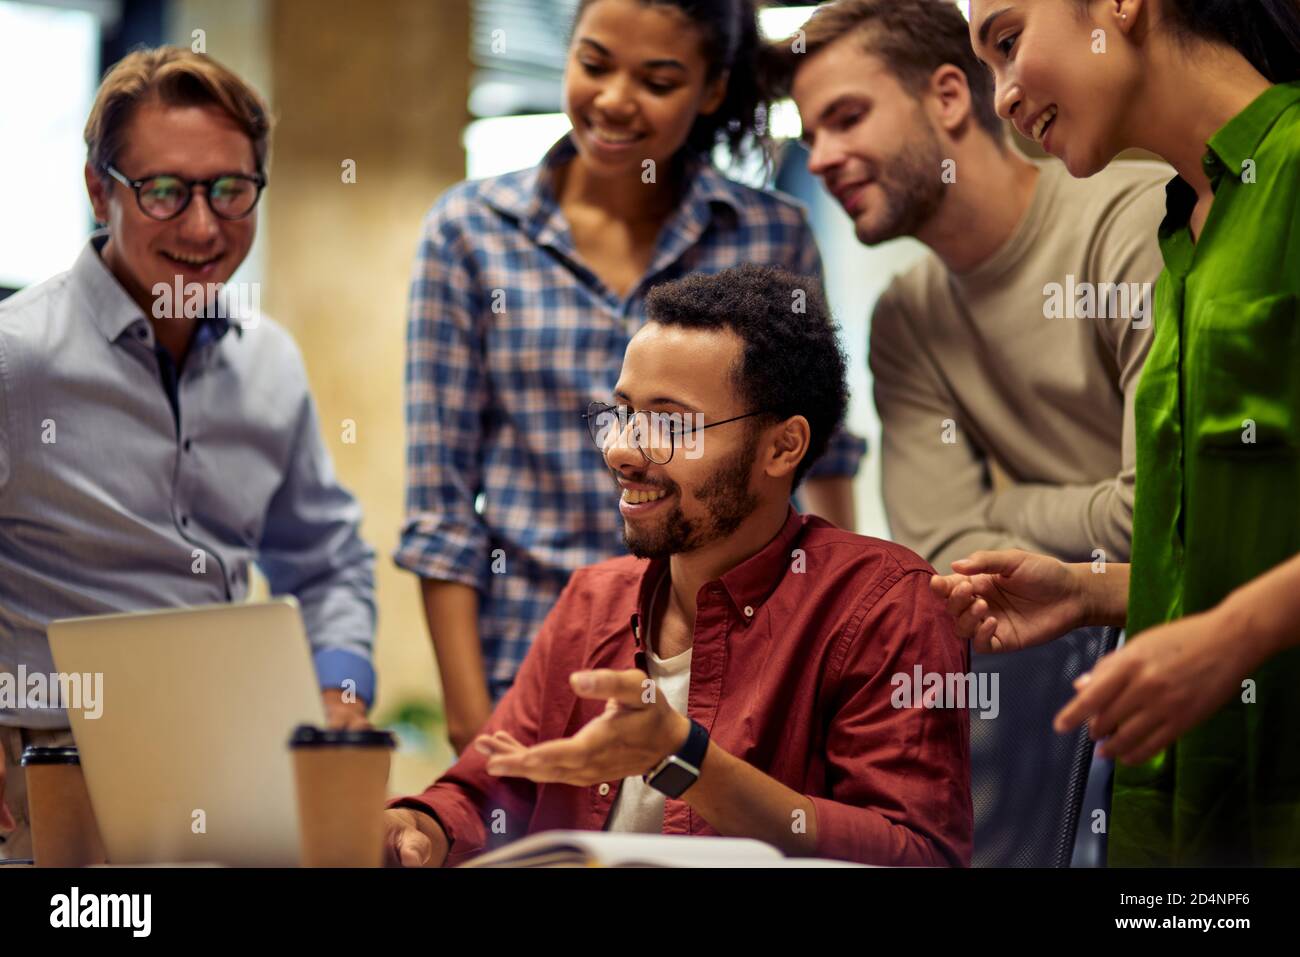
(157, 434)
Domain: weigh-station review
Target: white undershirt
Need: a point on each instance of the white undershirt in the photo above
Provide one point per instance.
(639, 808)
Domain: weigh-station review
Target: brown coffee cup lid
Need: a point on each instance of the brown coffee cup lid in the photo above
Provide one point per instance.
(308, 736)
(34, 755)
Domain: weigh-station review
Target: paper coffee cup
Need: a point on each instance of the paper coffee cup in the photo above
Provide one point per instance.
(64, 833)
(342, 781)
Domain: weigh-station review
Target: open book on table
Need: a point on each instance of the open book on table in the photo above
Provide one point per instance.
(605, 849)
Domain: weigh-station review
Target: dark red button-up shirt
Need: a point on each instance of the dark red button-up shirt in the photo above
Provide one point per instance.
(793, 670)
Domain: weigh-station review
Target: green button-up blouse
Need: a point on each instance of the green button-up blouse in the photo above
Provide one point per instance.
(1218, 493)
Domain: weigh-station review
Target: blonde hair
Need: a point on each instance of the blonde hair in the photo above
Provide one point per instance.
(175, 77)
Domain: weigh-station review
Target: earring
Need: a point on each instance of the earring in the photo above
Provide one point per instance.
(1123, 16)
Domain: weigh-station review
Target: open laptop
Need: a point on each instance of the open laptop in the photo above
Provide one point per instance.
(189, 758)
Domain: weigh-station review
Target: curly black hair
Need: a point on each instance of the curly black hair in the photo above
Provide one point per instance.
(792, 362)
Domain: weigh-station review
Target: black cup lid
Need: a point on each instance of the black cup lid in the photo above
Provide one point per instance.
(34, 755)
(308, 736)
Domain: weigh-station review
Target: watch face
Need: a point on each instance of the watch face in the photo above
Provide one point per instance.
(673, 780)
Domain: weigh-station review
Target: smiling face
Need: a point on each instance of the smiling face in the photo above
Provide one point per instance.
(635, 82)
(692, 501)
(194, 142)
(1065, 74)
(870, 141)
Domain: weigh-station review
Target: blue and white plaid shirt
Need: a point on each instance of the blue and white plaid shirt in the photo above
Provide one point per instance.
(510, 336)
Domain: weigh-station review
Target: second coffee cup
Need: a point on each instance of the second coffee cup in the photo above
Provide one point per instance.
(64, 833)
(342, 780)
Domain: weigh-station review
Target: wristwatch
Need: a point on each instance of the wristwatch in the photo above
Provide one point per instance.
(677, 772)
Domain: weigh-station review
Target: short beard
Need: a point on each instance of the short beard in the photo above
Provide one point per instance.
(725, 495)
(913, 187)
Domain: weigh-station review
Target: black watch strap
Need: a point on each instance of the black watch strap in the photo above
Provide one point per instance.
(679, 771)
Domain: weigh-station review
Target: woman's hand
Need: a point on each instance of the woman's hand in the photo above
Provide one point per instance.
(1166, 681)
(1010, 600)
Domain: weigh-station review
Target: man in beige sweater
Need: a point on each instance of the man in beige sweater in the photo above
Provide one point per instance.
(1005, 362)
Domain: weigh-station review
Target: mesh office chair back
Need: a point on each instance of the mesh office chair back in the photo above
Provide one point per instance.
(1027, 782)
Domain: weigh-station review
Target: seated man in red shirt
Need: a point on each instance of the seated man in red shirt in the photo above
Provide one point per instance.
(747, 670)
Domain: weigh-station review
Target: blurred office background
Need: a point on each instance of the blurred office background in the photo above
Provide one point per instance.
(417, 94)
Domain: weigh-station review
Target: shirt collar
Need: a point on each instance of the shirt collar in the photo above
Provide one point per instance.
(531, 196)
(113, 310)
(747, 585)
(1239, 138)
(751, 582)
(1236, 141)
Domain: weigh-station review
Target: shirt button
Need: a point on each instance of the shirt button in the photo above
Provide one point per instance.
(603, 789)
(185, 520)
(187, 445)
(749, 611)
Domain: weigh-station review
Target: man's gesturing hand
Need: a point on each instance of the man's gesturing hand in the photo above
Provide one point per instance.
(636, 731)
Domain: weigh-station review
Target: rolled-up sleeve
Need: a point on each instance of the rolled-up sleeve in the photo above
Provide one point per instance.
(443, 536)
(843, 455)
(898, 773)
(845, 450)
(311, 548)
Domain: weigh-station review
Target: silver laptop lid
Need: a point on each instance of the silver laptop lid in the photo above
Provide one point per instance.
(188, 758)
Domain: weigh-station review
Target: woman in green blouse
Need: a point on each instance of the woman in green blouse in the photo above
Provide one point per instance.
(1201, 706)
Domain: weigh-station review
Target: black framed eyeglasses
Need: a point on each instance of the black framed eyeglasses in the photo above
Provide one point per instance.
(655, 434)
(165, 196)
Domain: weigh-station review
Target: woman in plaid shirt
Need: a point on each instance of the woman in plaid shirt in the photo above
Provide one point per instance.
(526, 290)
